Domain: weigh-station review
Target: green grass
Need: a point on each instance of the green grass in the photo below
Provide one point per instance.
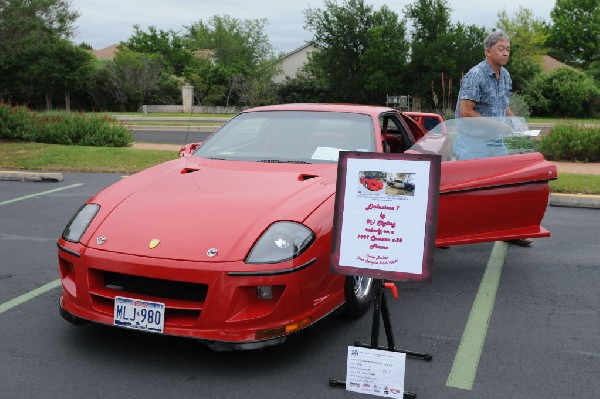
(587, 121)
(51, 157)
(568, 183)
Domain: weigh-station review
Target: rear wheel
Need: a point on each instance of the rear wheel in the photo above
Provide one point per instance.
(359, 292)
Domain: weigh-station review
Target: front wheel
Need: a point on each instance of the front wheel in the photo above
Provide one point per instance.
(359, 292)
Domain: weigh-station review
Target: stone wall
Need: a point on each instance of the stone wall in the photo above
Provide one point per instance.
(187, 95)
(196, 109)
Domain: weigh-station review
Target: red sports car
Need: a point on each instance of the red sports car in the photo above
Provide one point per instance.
(371, 183)
(230, 243)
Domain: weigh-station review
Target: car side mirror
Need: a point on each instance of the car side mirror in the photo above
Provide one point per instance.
(189, 149)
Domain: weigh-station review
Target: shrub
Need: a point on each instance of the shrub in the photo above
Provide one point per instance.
(18, 123)
(94, 130)
(563, 92)
(572, 143)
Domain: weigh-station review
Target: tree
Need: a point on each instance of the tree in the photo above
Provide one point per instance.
(134, 76)
(564, 92)
(232, 40)
(575, 33)
(304, 88)
(361, 52)
(62, 69)
(385, 57)
(234, 61)
(168, 44)
(27, 29)
(440, 52)
(528, 36)
(431, 18)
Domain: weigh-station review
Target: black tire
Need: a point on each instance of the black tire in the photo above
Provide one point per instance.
(359, 292)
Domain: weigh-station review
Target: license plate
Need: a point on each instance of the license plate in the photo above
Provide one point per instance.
(138, 314)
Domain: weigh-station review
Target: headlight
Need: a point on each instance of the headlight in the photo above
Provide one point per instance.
(282, 241)
(80, 222)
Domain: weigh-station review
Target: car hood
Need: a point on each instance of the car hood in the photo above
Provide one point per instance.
(192, 205)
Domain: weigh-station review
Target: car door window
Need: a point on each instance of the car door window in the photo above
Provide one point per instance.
(394, 133)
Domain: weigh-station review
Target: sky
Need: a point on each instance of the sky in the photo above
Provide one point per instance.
(105, 22)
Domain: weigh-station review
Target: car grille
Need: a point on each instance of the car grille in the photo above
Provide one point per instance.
(183, 300)
(166, 289)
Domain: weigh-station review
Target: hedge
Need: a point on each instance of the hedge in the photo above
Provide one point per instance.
(18, 123)
(569, 142)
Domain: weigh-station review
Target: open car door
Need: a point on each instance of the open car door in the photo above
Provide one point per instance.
(494, 186)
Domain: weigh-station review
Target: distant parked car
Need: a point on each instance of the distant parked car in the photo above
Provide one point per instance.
(426, 120)
(401, 184)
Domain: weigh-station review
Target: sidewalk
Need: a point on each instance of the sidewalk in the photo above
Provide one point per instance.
(578, 168)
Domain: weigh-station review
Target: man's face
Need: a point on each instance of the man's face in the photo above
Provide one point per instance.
(499, 52)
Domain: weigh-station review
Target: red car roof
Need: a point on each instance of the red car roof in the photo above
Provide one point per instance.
(352, 108)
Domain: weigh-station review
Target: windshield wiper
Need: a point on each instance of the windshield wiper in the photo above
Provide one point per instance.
(280, 161)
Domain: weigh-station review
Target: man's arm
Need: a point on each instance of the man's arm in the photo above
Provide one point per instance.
(467, 109)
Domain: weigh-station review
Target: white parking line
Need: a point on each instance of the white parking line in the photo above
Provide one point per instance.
(39, 194)
(30, 295)
(469, 351)
(44, 288)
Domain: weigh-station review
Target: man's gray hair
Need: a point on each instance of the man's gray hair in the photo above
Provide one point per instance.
(494, 38)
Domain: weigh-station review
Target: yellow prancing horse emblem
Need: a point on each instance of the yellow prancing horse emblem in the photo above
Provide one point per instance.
(154, 243)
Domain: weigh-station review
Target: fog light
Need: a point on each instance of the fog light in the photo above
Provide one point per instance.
(297, 325)
(264, 292)
(282, 330)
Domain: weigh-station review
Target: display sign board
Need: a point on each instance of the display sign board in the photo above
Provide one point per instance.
(375, 372)
(385, 215)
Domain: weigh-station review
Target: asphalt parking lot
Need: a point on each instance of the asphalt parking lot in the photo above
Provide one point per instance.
(535, 333)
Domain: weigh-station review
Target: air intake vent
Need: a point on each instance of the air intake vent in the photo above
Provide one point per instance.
(189, 170)
(304, 177)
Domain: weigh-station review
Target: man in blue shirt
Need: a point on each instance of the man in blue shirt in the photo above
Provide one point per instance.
(486, 89)
(485, 92)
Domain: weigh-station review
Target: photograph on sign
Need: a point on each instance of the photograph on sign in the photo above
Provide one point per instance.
(375, 372)
(384, 222)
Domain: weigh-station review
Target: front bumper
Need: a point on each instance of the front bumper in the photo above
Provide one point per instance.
(214, 303)
(214, 345)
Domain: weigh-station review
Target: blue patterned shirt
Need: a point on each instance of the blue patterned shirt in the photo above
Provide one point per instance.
(491, 95)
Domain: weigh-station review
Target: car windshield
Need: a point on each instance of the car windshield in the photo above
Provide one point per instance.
(290, 137)
(473, 138)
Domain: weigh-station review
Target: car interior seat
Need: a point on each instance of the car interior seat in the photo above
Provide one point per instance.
(395, 143)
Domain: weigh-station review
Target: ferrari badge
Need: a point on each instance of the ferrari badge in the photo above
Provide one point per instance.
(154, 243)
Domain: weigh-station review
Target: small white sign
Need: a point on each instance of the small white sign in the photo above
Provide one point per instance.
(375, 372)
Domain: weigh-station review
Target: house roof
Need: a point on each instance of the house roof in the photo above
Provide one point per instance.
(107, 53)
(549, 64)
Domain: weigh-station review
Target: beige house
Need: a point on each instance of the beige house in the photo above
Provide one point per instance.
(291, 63)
